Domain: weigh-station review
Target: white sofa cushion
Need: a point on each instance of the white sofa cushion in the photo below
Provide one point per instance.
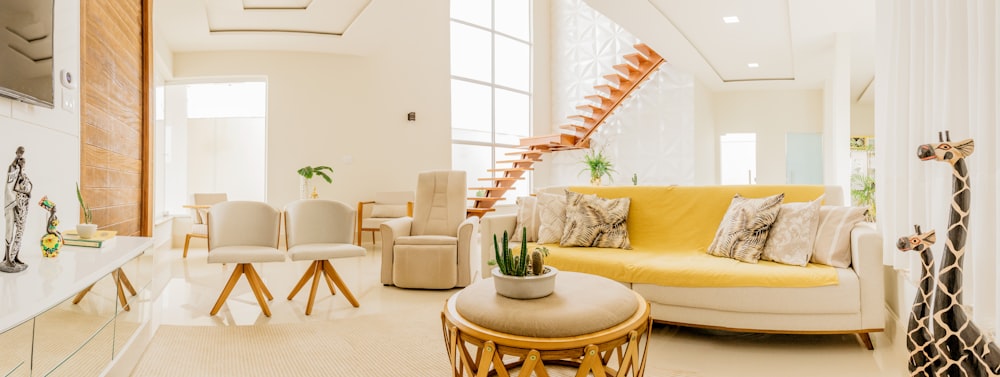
(527, 218)
(841, 298)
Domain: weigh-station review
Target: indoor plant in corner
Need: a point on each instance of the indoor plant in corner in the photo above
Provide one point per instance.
(598, 166)
(524, 275)
(86, 229)
(307, 174)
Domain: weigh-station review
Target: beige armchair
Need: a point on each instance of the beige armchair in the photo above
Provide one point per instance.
(244, 233)
(202, 202)
(385, 207)
(432, 249)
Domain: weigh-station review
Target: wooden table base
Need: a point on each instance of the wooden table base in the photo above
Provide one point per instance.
(476, 351)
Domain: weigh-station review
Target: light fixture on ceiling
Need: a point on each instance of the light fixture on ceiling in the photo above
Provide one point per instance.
(731, 19)
(752, 65)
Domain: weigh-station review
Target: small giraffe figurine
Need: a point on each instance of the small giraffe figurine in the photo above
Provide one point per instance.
(924, 358)
(963, 348)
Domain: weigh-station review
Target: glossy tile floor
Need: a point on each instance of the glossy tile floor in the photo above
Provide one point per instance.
(194, 286)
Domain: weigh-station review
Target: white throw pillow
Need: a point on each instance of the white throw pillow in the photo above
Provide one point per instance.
(551, 217)
(388, 210)
(527, 217)
(791, 238)
(833, 237)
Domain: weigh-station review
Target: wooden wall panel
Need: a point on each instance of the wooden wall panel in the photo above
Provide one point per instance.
(114, 105)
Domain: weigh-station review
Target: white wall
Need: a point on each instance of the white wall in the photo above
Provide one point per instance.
(863, 119)
(770, 114)
(651, 135)
(349, 112)
(51, 137)
(706, 167)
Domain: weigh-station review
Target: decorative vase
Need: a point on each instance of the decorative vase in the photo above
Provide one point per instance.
(86, 231)
(303, 188)
(525, 287)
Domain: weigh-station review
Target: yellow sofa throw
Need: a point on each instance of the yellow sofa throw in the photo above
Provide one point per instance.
(670, 227)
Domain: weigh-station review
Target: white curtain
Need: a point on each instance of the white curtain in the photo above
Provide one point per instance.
(936, 70)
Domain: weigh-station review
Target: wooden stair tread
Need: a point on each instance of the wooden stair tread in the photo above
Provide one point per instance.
(469, 212)
(575, 127)
(600, 100)
(590, 107)
(635, 59)
(625, 69)
(646, 51)
(491, 188)
(510, 169)
(521, 161)
(502, 179)
(487, 198)
(525, 153)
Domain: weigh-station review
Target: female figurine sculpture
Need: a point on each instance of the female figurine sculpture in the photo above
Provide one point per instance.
(52, 240)
(16, 197)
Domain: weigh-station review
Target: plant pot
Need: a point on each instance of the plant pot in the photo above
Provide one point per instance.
(525, 287)
(86, 231)
(595, 181)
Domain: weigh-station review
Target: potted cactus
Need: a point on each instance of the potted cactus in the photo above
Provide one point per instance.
(522, 275)
(86, 229)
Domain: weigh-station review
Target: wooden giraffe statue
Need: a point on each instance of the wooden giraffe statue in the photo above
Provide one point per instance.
(963, 348)
(924, 358)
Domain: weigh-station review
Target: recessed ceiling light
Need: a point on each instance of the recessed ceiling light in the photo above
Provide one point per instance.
(752, 65)
(731, 19)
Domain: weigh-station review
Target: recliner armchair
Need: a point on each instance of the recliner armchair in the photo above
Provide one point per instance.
(432, 249)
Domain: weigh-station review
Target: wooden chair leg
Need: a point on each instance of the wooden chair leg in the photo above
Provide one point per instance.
(126, 282)
(187, 242)
(79, 296)
(373, 237)
(329, 283)
(305, 277)
(329, 270)
(315, 284)
(249, 268)
(120, 289)
(229, 288)
(257, 286)
(359, 235)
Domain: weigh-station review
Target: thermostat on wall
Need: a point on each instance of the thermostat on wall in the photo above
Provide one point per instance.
(67, 79)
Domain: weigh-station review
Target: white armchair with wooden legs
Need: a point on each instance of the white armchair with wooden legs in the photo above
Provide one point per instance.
(199, 227)
(433, 249)
(320, 230)
(387, 205)
(244, 233)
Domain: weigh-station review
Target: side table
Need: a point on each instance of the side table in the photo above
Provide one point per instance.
(589, 323)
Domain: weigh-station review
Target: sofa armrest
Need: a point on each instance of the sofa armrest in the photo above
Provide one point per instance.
(488, 226)
(866, 260)
(468, 252)
(391, 230)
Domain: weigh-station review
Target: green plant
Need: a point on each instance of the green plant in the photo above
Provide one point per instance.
(308, 172)
(518, 264)
(87, 216)
(598, 165)
(863, 193)
(635, 179)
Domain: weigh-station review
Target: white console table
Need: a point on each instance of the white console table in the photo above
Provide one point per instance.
(45, 333)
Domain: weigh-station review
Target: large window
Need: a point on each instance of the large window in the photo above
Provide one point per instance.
(490, 85)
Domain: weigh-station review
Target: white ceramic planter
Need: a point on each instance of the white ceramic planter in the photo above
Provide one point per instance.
(86, 230)
(525, 287)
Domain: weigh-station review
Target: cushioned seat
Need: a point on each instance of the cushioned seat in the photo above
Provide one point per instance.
(245, 254)
(325, 251)
(580, 304)
(427, 240)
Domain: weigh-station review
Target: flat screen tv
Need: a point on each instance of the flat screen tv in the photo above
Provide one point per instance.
(26, 51)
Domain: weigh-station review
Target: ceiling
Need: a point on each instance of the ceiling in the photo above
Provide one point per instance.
(792, 41)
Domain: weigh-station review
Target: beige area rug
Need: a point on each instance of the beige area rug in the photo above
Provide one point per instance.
(381, 345)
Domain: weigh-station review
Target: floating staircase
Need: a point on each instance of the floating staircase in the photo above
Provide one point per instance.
(574, 135)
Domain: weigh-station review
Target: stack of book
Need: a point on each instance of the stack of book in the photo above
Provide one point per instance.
(99, 239)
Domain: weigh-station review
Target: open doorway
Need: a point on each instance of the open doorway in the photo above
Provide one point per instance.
(738, 158)
(213, 140)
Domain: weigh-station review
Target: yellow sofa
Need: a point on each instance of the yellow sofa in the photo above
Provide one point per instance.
(670, 228)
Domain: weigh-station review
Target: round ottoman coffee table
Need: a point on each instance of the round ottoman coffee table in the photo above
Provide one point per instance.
(589, 323)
